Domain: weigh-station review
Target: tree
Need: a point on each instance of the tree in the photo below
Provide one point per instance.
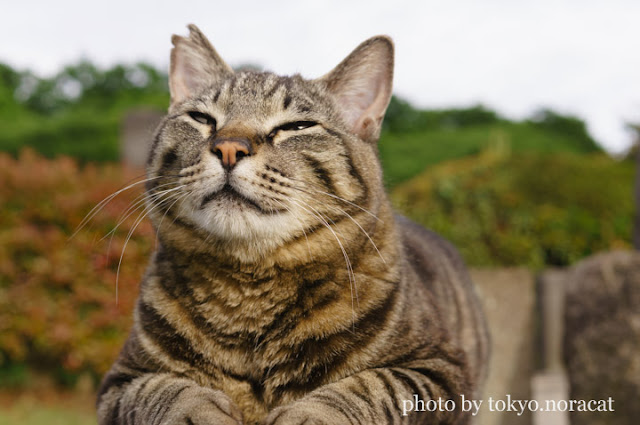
(9, 82)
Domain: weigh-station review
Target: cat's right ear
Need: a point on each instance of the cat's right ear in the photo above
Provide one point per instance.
(195, 64)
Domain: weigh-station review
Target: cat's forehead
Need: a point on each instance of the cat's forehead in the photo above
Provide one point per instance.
(258, 95)
(250, 87)
(265, 80)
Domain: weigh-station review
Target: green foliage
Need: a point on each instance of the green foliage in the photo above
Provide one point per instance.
(414, 139)
(503, 209)
(13, 375)
(86, 136)
(60, 310)
(404, 155)
(78, 111)
(81, 86)
(569, 127)
(9, 81)
(402, 117)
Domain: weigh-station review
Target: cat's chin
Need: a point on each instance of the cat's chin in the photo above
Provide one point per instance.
(231, 200)
(235, 220)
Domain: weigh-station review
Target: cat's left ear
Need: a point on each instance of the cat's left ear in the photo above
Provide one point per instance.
(361, 85)
(195, 64)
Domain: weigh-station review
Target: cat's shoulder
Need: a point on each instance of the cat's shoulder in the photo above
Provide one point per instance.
(425, 248)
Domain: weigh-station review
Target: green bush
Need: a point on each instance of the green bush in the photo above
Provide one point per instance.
(504, 209)
(402, 117)
(87, 137)
(405, 155)
(77, 112)
(570, 127)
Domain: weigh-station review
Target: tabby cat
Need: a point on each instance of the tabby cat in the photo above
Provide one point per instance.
(284, 290)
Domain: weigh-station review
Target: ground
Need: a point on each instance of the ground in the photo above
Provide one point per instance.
(46, 407)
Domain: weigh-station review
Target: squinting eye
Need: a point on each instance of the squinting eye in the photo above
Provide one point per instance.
(202, 118)
(297, 125)
(291, 126)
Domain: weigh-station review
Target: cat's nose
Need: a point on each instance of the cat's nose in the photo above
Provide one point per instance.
(231, 150)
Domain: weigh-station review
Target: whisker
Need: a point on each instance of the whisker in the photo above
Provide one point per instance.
(105, 201)
(178, 198)
(141, 200)
(363, 231)
(352, 278)
(139, 219)
(145, 212)
(339, 198)
(348, 202)
(301, 225)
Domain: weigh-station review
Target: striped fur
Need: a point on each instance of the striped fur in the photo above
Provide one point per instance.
(284, 290)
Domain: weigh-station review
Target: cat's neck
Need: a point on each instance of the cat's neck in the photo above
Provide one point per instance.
(370, 250)
(342, 242)
(248, 300)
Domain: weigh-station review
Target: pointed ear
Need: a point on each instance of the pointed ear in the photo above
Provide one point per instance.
(361, 85)
(195, 64)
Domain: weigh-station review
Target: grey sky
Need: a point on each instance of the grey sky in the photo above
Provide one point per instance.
(577, 56)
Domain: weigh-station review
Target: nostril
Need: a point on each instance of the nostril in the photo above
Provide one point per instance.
(240, 155)
(217, 152)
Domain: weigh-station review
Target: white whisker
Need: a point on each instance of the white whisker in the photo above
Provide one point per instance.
(301, 225)
(138, 202)
(105, 201)
(339, 198)
(177, 197)
(348, 202)
(352, 278)
(363, 231)
(145, 212)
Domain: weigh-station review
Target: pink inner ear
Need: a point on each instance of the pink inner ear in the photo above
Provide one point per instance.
(194, 65)
(363, 99)
(189, 72)
(353, 107)
(185, 78)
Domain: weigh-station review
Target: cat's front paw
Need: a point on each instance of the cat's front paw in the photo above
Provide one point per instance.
(307, 413)
(202, 406)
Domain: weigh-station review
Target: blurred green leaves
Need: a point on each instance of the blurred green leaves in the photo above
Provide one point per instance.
(413, 139)
(506, 209)
(78, 111)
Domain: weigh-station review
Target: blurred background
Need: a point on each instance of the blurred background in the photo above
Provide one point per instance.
(513, 132)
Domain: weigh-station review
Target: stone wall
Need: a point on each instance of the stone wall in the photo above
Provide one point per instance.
(602, 338)
(565, 334)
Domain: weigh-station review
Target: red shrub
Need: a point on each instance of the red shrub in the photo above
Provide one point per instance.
(59, 305)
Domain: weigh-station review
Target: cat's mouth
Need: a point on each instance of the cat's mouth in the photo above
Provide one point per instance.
(231, 196)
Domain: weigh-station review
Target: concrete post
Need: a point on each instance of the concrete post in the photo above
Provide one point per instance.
(138, 127)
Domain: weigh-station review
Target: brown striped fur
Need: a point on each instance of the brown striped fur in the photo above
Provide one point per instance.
(284, 290)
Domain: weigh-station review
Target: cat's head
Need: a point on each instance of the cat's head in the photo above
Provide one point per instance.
(252, 160)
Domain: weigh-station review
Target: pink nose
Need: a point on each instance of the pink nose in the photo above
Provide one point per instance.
(231, 151)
